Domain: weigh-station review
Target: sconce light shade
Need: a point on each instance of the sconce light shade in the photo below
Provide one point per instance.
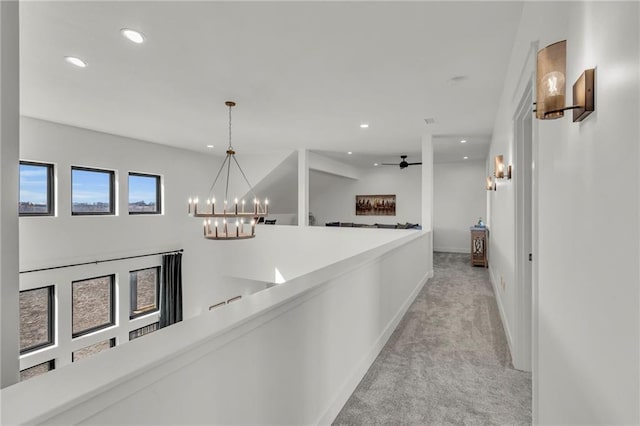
(583, 95)
(550, 80)
(491, 186)
(498, 169)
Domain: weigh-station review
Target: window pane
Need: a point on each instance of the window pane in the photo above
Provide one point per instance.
(92, 304)
(145, 285)
(37, 370)
(142, 331)
(144, 193)
(91, 350)
(91, 191)
(35, 189)
(36, 318)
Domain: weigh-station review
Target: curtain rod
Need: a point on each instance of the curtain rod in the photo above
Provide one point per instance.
(95, 262)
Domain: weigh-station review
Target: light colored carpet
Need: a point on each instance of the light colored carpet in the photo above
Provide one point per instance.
(447, 362)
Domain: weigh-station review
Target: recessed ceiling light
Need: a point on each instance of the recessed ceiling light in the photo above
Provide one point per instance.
(364, 125)
(465, 158)
(349, 152)
(463, 141)
(75, 61)
(376, 164)
(132, 35)
(209, 146)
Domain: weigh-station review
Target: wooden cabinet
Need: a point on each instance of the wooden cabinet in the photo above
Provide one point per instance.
(479, 246)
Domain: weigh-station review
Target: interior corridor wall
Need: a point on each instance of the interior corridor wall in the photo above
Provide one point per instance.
(332, 198)
(459, 201)
(587, 327)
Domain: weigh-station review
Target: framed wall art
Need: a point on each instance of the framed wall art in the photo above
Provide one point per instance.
(376, 205)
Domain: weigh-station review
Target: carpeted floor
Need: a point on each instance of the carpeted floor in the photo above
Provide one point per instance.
(447, 362)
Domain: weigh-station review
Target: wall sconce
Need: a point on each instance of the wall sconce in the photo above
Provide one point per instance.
(499, 168)
(491, 186)
(551, 88)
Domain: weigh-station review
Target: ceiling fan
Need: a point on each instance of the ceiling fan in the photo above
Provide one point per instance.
(403, 164)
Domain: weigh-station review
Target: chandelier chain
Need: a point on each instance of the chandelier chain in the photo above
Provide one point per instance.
(230, 146)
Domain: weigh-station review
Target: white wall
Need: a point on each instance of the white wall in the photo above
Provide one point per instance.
(63, 239)
(9, 242)
(291, 354)
(459, 200)
(332, 198)
(534, 28)
(280, 187)
(586, 368)
(321, 163)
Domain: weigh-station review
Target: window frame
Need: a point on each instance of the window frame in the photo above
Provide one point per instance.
(154, 325)
(51, 364)
(50, 320)
(133, 315)
(112, 311)
(112, 191)
(158, 192)
(112, 344)
(50, 189)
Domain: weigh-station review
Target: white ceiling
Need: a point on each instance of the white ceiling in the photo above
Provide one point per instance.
(304, 74)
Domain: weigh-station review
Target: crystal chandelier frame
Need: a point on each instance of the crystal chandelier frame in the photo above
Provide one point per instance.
(232, 225)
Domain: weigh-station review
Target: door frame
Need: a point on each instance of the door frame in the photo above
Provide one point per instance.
(523, 98)
(523, 209)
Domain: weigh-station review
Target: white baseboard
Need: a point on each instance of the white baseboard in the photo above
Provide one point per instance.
(464, 250)
(352, 382)
(503, 316)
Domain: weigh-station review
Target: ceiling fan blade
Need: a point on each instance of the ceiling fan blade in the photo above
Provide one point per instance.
(411, 164)
(388, 164)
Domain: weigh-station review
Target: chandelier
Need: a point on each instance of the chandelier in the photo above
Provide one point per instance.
(233, 222)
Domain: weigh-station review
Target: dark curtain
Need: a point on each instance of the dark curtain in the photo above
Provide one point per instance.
(171, 293)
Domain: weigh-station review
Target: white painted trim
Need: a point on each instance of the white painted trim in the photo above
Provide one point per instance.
(503, 316)
(351, 383)
(464, 250)
(303, 187)
(522, 220)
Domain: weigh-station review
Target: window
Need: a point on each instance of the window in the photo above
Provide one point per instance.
(92, 191)
(37, 370)
(93, 304)
(91, 350)
(145, 291)
(36, 189)
(36, 319)
(142, 331)
(144, 194)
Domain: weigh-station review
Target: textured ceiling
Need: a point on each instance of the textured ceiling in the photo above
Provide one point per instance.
(304, 74)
